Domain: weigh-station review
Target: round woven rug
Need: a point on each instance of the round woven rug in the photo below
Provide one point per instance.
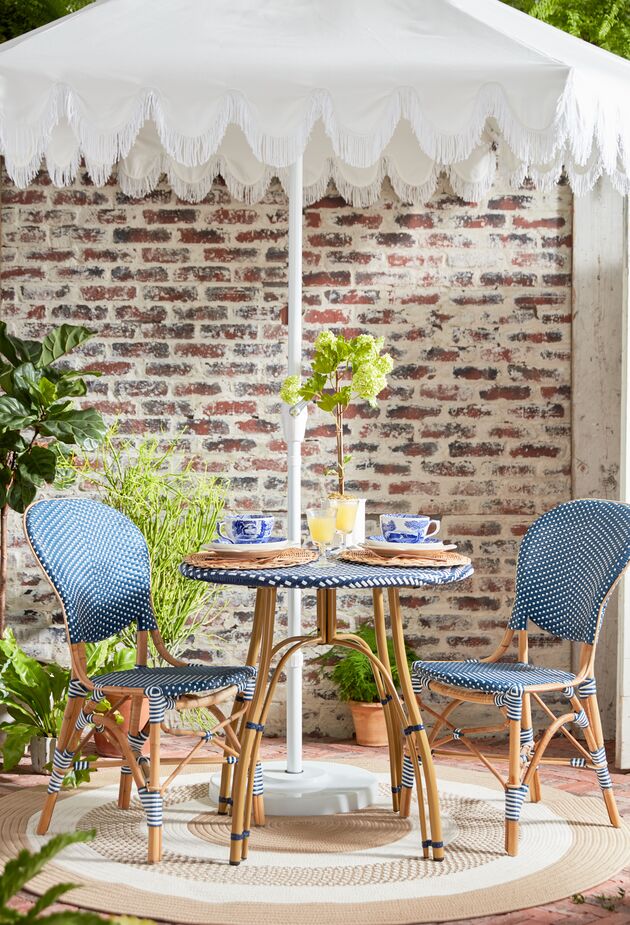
(363, 867)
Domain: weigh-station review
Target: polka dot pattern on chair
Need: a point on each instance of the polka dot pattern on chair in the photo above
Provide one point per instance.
(174, 681)
(98, 562)
(488, 677)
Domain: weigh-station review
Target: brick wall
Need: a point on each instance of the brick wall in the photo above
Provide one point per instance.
(187, 303)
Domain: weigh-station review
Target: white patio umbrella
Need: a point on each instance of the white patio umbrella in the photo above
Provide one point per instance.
(309, 91)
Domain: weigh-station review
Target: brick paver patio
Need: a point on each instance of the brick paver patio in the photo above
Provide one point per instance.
(573, 781)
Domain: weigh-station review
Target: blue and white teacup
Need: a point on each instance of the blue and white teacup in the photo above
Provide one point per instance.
(246, 528)
(408, 528)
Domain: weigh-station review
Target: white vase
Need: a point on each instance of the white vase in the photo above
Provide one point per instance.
(42, 752)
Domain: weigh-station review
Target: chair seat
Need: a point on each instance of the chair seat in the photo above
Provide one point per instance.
(487, 677)
(174, 682)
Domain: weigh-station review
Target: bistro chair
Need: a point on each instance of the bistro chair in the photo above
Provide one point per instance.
(569, 563)
(97, 561)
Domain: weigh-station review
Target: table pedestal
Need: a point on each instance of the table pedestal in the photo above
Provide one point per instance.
(322, 789)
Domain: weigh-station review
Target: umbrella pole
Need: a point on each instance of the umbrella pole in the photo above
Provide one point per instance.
(294, 431)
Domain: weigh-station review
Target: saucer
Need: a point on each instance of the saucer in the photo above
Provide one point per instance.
(427, 548)
(259, 549)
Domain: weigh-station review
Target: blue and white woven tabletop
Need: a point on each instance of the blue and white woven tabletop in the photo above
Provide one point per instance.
(336, 574)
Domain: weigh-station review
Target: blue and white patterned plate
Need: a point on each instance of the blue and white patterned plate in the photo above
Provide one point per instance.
(268, 547)
(380, 544)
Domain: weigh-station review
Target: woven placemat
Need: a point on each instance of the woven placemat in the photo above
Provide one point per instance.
(439, 560)
(283, 559)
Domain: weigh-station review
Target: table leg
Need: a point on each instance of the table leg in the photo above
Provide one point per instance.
(416, 734)
(393, 733)
(265, 607)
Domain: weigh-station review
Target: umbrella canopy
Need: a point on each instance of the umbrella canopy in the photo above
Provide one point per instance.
(363, 89)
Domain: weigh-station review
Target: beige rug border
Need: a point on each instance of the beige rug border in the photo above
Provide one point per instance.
(607, 850)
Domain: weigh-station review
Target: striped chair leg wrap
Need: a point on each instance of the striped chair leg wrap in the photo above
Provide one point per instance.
(577, 762)
(568, 692)
(239, 836)
(396, 789)
(152, 804)
(98, 695)
(231, 759)
(587, 688)
(259, 727)
(514, 799)
(247, 692)
(82, 765)
(158, 704)
(581, 719)
(61, 763)
(226, 801)
(527, 736)
(385, 700)
(136, 743)
(600, 763)
(420, 684)
(76, 689)
(512, 701)
(408, 776)
(457, 734)
(87, 719)
(259, 787)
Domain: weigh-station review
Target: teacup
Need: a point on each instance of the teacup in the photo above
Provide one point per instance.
(408, 528)
(246, 528)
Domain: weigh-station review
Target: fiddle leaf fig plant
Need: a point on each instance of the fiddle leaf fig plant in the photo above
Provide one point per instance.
(37, 413)
(342, 369)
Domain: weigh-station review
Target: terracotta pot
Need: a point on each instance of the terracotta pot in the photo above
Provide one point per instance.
(107, 749)
(42, 752)
(369, 723)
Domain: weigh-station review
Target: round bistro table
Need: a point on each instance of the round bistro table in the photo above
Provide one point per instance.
(405, 731)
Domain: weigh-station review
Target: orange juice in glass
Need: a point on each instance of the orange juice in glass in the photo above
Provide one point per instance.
(347, 516)
(322, 525)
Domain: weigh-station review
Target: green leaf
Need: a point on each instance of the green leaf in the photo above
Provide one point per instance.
(14, 414)
(21, 493)
(48, 391)
(72, 387)
(17, 350)
(329, 402)
(12, 440)
(38, 465)
(25, 866)
(49, 898)
(85, 428)
(17, 737)
(61, 341)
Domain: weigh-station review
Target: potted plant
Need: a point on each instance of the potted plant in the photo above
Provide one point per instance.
(37, 415)
(177, 508)
(354, 678)
(342, 370)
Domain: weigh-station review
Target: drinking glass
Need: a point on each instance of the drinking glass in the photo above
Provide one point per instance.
(322, 525)
(346, 517)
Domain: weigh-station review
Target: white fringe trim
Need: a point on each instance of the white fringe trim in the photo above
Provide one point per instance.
(587, 130)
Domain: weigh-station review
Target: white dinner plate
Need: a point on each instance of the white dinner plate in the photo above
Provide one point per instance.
(247, 550)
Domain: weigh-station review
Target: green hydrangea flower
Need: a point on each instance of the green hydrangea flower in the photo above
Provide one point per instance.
(290, 390)
(368, 381)
(325, 340)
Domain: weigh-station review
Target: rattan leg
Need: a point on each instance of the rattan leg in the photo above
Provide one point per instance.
(155, 830)
(597, 748)
(265, 607)
(514, 780)
(67, 734)
(394, 738)
(527, 739)
(126, 780)
(418, 742)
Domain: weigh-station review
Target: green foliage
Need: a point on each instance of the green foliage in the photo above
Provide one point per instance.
(601, 22)
(352, 671)
(342, 369)
(176, 509)
(33, 695)
(37, 411)
(20, 16)
(21, 869)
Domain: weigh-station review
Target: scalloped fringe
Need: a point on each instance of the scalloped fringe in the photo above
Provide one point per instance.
(586, 130)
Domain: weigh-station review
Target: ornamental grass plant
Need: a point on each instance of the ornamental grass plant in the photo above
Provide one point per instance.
(177, 508)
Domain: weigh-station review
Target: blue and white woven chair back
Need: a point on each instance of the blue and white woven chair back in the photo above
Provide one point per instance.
(569, 560)
(98, 562)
